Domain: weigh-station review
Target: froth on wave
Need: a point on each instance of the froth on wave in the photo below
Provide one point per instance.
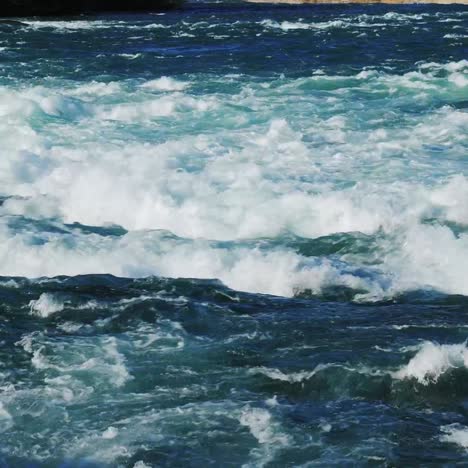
(432, 361)
(165, 83)
(455, 434)
(228, 180)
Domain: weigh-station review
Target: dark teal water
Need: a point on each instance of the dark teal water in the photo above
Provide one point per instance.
(235, 235)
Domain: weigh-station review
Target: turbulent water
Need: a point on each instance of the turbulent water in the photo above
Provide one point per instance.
(235, 235)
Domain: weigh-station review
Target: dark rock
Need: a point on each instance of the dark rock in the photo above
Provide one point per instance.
(9, 8)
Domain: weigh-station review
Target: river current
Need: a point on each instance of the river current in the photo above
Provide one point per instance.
(235, 235)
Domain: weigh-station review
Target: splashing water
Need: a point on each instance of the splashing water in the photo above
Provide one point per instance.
(235, 234)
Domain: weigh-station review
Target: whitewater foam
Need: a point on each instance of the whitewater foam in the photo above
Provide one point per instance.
(6, 420)
(455, 434)
(70, 25)
(165, 83)
(261, 425)
(46, 305)
(433, 361)
(110, 433)
(293, 377)
(266, 431)
(102, 364)
(207, 144)
(347, 22)
(295, 181)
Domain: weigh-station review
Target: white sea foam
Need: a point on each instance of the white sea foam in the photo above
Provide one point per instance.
(262, 426)
(141, 464)
(450, 197)
(116, 369)
(165, 83)
(294, 25)
(455, 434)
(85, 25)
(459, 80)
(239, 178)
(148, 426)
(70, 25)
(449, 66)
(6, 420)
(281, 271)
(434, 360)
(147, 110)
(233, 178)
(293, 377)
(285, 25)
(154, 26)
(266, 431)
(130, 56)
(103, 365)
(455, 36)
(46, 305)
(110, 433)
(345, 22)
(96, 89)
(435, 259)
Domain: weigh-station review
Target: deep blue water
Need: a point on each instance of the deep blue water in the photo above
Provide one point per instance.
(235, 235)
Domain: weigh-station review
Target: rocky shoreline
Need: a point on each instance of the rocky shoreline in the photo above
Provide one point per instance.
(12, 8)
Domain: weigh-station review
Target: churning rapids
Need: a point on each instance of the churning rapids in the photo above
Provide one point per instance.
(235, 235)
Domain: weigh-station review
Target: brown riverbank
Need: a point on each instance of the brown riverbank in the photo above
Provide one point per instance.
(394, 2)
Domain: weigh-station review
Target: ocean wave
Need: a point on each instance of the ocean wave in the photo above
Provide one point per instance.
(432, 361)
(234, 235)
(93, 24)
(455, 434)
(70, 25)
(46, 305)
(346, 22)
(165, 83)
(292, 183)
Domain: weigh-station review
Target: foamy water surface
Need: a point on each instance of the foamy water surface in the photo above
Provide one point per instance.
(235, 234)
